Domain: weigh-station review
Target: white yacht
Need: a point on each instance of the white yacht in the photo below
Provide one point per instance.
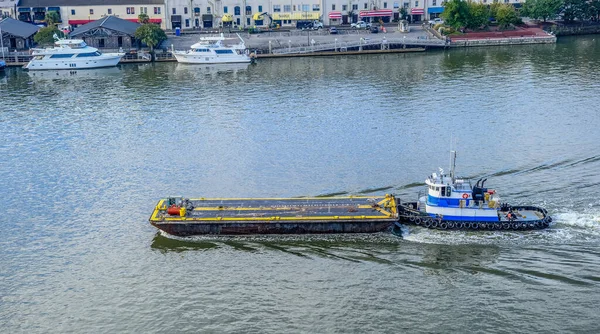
(211, 50)
(71, 54)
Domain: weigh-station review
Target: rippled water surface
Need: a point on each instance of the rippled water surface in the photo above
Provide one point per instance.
(86, 155)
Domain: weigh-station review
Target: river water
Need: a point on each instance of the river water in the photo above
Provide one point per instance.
(86, 155)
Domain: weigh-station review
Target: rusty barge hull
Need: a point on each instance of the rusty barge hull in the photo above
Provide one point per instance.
(242, 216)
(244, 228)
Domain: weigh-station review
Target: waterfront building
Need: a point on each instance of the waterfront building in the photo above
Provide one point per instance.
(16, 35)
(209, 14)
(109, 32)
(8, 8)
(74, 13)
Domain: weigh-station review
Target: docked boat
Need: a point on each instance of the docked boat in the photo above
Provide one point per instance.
(454, 203)
(212, 50)
(70, 54)
(2, 65)
(233, 216)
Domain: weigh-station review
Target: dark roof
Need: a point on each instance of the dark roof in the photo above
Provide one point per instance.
(18, 28)
(58, 3)
(108, 22)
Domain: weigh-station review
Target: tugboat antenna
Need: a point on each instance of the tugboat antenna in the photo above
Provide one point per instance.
(452, 164)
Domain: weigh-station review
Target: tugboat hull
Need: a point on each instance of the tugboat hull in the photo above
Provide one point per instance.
(525, 218)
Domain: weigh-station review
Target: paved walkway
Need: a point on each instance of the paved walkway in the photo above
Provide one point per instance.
(298, 38)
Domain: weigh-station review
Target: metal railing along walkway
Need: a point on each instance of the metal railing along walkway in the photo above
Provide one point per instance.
(363, 42)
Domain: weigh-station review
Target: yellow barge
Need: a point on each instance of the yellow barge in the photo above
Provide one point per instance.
(232, 216)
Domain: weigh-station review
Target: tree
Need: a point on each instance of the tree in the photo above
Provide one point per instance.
(506, 15)
(52, 18)
(575, 9)
(479, 15)
(143, 18)
(45, 36)
(403, 13)
(151, 35)
(541, 9)
(456, 13)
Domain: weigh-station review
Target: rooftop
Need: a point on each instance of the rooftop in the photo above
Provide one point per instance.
(108, 22)
(18, 28)
(58, 3)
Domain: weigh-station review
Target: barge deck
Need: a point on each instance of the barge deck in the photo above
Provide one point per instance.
(233, 216)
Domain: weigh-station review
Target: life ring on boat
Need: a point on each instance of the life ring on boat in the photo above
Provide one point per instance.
(465, 196)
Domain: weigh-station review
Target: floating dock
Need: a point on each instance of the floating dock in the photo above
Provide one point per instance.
(234, 216)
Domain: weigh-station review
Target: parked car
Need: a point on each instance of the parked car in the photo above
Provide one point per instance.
(435, 21)
(333, 30)
(361, 25)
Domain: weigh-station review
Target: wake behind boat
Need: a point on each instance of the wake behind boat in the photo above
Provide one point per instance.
(453, 203)
(211, 50)
(71, 54)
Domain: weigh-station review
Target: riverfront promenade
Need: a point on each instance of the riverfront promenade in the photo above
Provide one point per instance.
(304, 38)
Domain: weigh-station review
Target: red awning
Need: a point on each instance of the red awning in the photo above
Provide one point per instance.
(417, 11)
(158, 21)
(79, 21)
(335, 15)
(375, 13)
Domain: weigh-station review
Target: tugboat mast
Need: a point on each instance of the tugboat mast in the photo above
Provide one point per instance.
(452, 165)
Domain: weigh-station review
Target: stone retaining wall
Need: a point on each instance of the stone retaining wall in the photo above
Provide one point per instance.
(504, 41)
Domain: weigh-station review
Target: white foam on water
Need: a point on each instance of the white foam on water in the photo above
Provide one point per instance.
(567, 226)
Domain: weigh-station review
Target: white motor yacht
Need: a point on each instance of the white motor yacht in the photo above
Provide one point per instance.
(71, 54)
(211, 50)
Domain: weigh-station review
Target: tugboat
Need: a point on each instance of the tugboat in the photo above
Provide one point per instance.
(453, 203)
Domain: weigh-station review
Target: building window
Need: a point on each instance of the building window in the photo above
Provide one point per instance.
(316, 8)
(197, 11)
(287, 8)
(385, 4)
(109, 11)
(225, 10)
(416, 4)
(276, 8)
(354, 7)
(396, 5)
(128, 10)
(435, 2)
(344, 7)
(156, 10)
(174, 11)
(236, 11)
(91, 12)
(366, 5)
(208, 10)
(72, 11)
(143, 10)
(248, 10)
(187, 23)
(294, 8)
(260, 9)
(405, 5)
(185, 10)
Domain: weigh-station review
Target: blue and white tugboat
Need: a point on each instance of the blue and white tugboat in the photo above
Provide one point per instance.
(454, 203)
